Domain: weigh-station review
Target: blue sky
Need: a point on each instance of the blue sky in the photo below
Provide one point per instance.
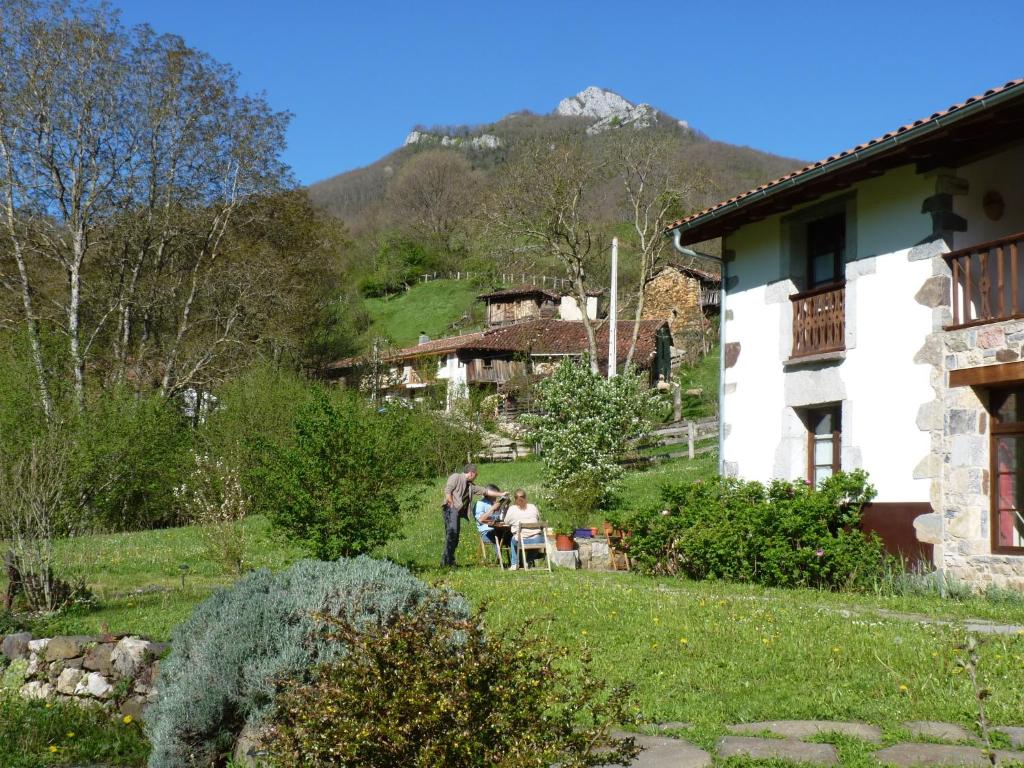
(801, 79)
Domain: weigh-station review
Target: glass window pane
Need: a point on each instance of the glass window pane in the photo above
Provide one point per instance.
(1010, 528)
(1008, 406)
(824, 268)
(820, 473)
(823, 451)
(822, 423)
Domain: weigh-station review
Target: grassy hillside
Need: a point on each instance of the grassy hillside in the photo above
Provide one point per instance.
(432, 307)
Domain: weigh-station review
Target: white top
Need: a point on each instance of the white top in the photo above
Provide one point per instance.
(517, 515)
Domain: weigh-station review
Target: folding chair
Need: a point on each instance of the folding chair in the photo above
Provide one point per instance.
(617, 557)
(484, 546)
(525, 546)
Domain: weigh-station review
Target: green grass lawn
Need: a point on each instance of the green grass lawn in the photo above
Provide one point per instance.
(706, 653)
(430, 307)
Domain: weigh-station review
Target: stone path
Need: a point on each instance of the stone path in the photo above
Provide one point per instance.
(789, 740)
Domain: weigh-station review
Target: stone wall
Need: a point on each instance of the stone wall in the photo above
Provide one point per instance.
(115, 672)
(674, 296)
(959, 425)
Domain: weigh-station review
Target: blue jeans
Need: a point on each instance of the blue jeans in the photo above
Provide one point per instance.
(528, 540)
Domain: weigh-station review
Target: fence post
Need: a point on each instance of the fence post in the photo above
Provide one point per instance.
(689, 438)
(677, 402)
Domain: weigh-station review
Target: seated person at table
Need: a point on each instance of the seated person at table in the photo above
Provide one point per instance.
(521, 511)
(482, 514)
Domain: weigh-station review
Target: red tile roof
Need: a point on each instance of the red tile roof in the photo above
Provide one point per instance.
(536, 337)
(434, 347)
(566, 337)
(521, 290)
(700, 274)
(772, 186)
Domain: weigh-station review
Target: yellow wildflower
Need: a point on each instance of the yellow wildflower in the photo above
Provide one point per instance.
(127, 719)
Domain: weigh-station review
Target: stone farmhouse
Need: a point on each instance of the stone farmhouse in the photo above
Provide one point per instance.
(684, 296)
(546, 329)
(874, 318)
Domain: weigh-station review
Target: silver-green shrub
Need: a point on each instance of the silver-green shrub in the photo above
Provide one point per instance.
(228, 656)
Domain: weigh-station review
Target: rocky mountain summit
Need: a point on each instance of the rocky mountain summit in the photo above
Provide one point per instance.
(610, 110)
(483, 141)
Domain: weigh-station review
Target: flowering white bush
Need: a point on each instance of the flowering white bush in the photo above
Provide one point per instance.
(585, 424)
(214, 499)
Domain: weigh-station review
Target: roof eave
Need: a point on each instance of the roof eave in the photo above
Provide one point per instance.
(853, 157)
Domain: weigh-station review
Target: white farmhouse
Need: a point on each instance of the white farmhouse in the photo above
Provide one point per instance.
(873, 317)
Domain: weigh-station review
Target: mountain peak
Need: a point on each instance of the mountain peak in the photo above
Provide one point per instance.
(608, 109)
(594, 102)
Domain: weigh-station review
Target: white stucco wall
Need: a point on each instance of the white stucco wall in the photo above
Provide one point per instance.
(1002, 173)
(878, 385)
(453, 370)
(569, 309)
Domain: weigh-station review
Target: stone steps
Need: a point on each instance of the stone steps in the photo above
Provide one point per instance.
(789, 740)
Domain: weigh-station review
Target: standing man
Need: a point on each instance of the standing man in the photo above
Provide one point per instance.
(458, 493)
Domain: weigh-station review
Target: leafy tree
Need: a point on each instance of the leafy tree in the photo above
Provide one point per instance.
(584, 426)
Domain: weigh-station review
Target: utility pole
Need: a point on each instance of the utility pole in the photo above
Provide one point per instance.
(613, 309)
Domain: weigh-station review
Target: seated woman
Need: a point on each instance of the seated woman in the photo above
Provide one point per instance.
(521, 511)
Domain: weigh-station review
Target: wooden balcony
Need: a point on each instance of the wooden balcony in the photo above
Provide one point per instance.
(819, 320)
(497, 372)
(710, 297)
(988, 282)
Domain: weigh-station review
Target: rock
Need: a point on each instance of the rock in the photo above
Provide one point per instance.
(784, 749)
(65, 647)
(34, 664)
(931, 729)
(36, 690)
(130, 655)
(907, 755)
(68, 681)
(135, 707)
(16, 646)
(38, 646)
(802, 729)
(663, 752)
(96, 685)
(249, 748)
(97, 659)
(1015, 733)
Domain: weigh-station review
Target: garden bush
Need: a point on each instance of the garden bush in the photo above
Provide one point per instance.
(433, 689)
(585, 424)
(336, 489)
(228, 655)
(785, 534)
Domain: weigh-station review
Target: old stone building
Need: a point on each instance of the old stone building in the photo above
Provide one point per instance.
(683, 296)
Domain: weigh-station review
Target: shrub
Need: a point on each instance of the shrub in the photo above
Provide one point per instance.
(214, 500)
(336, 489)
(130, 453)
(226, 657)
(585, 424)
(785, 534)
(432, 689)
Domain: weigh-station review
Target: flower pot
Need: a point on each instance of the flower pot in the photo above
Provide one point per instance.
(564, 542)
(583, 533)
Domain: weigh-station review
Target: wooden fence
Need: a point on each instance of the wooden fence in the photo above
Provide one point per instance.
(692, 437)
(505, 278)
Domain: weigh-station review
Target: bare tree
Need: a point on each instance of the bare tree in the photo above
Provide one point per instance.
(434, 193)
(541, 203)
(125, 159)
(658, 188)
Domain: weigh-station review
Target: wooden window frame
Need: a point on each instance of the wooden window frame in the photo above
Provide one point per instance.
(810, 417)
(1000, 429)
(838, 253)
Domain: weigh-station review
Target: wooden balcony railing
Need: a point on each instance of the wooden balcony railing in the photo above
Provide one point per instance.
(710, 297)
(988, 281)
(819, 320)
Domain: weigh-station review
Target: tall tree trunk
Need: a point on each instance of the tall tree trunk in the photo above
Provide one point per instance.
(74, 269)
(588, 326)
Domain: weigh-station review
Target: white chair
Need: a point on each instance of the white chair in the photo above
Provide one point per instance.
(528, 530)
